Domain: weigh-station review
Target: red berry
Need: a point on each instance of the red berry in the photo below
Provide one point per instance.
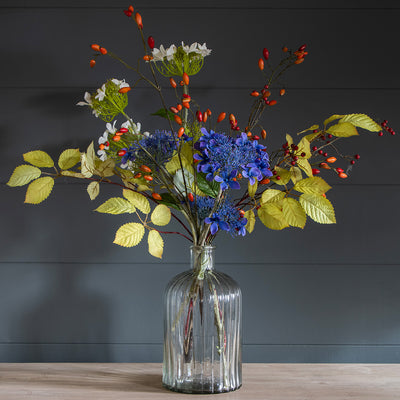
(352, 162)
(303, 154)
(320, 151)
(278, 178)
(393, 133)
(293, 163)
(315, 131)
(329, 136)
(315, 171)
(121, 153)
(339, 170)
(380, 133)
(357, 156)
(151, 42)
(303, 47)
(314, 148)
(325, 154)
(266, 53)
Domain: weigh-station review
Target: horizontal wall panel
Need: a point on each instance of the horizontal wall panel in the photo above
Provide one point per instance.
(65, 229)
(128, 353)
(55, 44)
(283, 305)
(50, 120)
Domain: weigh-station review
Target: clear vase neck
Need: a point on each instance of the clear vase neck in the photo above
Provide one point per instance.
(202, 258)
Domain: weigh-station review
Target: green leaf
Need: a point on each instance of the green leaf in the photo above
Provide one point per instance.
(161, 215)
(313, 185)
(362, 121)
(23, 174)
(251, 220)
(284, 174)
(272, 196)
(129, 235)
(39, 190)
(69, 158)
(208, 188)
(39, 158)
(169, 200)
(343, 129)
(296, 174)
(318, 208)
(332, 118)
(156, 244)
(289, 140)
(163, 113)
(93, 190)
(293, 212)
(272, 217)
(138, 200)
(252, 189)
(116, 205)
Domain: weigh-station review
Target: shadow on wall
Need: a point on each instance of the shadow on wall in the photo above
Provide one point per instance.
(67, 324)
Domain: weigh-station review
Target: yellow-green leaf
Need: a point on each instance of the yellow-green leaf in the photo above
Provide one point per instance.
(105, 168)
(93, 190)
(252, 189)
(116, 205)
(90, 154)
(272, 217)
(304, 147)
(73, 174)
(39, 190)
(318, 208)
(311, 128)
(138, 200)
(68, 158)
(284, 175)
(156, 244)
(296, 174)
(362, 121)
(343, 129)
(39, 158)
(87, 168)
(23, 174)
(332, 118)
(161, 215)
(272, 196)
(129, 235)
(312, 136)
(313, 185)
(289, 140)
(293, 212)
(305, 166)
(251, 220)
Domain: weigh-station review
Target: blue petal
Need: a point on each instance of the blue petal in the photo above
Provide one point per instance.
(214, 228)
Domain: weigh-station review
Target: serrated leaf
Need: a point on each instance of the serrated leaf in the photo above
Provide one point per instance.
(23, 174)
(93, 190)
(343, 129)
(304, 147)
(129, 235)
(156, 244)
(69, 158)
(73, 174)
(161, 215)
(289, 140)
(362, 121)
(318, 208)
(116, 205)
(313, 185)
(293, 212)
(296, 174)
(163, 113)
(104, 168)
(39, 190)
(284, 174)
(311, 128)
(86, 168)
(138, 200)
(251, 220)
(90, 154)
(272, 196)
(272, 217)
(305, 166)
(332, 118)
(252, 189)
(208, 188)
(39, 158)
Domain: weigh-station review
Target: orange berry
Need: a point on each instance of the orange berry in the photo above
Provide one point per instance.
(95, 47)
(272, 102)
(190, 197)
(299, 61)
(181, 131)
(130, 8)
(138, 19)
(179, 107)
(103, 51)
(232, 118)
(249, 134)
(331, 160)
(263, 133)
(265, 181)
(342, 175)
(221, 117)
(208, 111)
(261, 64)
(178, 119)
(92, 63)
(181, 83)
(125, 89)
(102, 146)
(285, 49)
(254, 93)
(145, 168)
(147, 57)
(323, 195)
(324, 165)
(156, 196)
(119, 133)
(185, 78)
(174, 110)
(186, 105)
(266, 94)
(172, 82)
(205, 116)
(116, 138)
(282, 92)
(148, 178)
(138, 175)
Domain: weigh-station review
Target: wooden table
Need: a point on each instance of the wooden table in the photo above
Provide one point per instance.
(143, 381)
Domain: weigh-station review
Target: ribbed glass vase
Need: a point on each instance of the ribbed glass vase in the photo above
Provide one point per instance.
(202, 329)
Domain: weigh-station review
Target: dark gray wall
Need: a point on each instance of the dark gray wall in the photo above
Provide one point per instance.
(325, 294)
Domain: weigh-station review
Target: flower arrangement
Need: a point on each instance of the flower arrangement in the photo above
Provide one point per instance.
(207, 175)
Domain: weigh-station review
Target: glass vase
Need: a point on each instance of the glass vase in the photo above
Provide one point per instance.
(202, 329)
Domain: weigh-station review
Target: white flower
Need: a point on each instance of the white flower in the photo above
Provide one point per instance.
(170, 52)
(159, 54)
(88, 101)
(104, 144)
(190, 49)
(120, 84)
(202, 50)
(101, 93)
